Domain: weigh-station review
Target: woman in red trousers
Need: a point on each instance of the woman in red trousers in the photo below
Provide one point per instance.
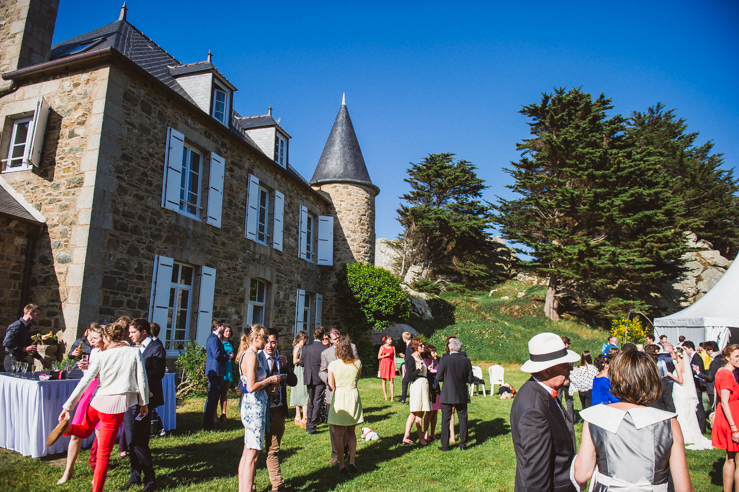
(121, 383)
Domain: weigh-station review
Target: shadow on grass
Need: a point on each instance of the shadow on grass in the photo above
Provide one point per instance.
(368, 460)
(482, 430)
(717, 472)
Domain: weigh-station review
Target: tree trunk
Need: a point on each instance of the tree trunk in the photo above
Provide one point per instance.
(426, 247)
(551, 305)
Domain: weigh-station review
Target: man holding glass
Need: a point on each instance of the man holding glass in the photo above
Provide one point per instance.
(18, 344)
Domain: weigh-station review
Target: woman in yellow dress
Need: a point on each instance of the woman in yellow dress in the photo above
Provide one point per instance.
(346, 407)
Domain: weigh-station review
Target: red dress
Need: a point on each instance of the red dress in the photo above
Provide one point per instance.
(721, 433)
(387, 364)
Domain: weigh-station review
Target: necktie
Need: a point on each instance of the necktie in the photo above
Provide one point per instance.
(273, 370)
(554, 393)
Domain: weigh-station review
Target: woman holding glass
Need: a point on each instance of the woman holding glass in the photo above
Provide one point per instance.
(254, 403)
(228, 378)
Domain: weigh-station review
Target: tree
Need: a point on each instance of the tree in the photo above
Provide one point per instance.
(446, 217)
(708, 193)
(596, 217)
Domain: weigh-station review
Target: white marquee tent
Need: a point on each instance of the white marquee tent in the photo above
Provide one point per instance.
(710, 317)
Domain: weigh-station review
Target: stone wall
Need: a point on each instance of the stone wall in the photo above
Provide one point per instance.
(61, 187)
(26, 29)
(14, 237)
(131, 227)
(199, 87)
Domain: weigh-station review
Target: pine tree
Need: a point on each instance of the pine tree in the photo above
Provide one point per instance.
(708, 192)
(597, 218)
(446, 216)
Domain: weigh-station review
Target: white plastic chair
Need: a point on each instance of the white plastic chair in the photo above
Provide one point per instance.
(477, 372)
(496, 376)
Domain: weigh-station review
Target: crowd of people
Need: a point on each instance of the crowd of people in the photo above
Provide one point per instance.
(640, 407)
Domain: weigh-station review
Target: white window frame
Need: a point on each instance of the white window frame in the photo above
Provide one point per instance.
(306, 311)
(251, 305)
(24, 164)
(226, 96)
(185, 182)
(280, 150)
(170, 332)
(263, 230)
(310, 229)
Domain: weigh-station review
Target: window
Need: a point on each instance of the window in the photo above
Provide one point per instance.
(190, 181)
(308, 307)
(18, 142)
(264, 212)
(220, 105)
(257, 302)
(263, 216)
(180, 296)
(280, 151)
(173, 287)
(307, 235)
(79, 48)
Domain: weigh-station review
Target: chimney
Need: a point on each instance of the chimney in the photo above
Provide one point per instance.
(25, 33)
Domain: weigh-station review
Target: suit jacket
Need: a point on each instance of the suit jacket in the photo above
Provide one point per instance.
(291, 380)
(18, 337)
(327, 357)
(312, 363)
(543, 439)
(155, 362)
(710, 375)
(216, 357)
(697, 360)
(455, 371)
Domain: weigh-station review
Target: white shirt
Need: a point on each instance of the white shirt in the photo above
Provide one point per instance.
(144, 344)
(548, 388)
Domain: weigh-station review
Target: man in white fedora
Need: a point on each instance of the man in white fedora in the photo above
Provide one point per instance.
(543, 435)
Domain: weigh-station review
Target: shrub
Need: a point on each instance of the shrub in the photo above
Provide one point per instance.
(192, 364)
(629, 330)
(368, 356)
(369, 298)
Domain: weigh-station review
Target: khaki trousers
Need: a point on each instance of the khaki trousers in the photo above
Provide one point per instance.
(272, 441)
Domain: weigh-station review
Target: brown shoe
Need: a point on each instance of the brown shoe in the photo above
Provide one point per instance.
(58, 431)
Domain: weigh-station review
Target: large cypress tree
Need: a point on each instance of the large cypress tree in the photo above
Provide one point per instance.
(596, 217)
(446, 217)
(708, 192)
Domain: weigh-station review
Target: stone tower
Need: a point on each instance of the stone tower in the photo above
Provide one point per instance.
(342, 175)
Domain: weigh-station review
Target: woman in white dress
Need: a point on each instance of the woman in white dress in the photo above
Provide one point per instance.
(686, 399)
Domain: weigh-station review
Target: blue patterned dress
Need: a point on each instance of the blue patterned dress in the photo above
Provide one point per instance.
(254, 408)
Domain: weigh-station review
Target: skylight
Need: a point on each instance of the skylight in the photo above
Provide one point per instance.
(84, 46)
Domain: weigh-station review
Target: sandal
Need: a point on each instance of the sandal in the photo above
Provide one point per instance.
(303, 423)
(297, 421)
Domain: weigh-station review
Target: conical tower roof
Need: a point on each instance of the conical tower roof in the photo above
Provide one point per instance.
(342, 160)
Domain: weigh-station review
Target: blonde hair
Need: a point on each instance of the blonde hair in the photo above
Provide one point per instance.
(115, 331)
(247, 340)
(301, 335)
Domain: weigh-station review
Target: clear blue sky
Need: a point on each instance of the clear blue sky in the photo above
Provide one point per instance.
(429, 77)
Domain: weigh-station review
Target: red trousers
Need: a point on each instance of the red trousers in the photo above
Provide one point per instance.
(109, 425)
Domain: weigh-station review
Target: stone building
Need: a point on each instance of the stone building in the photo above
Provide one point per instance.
(145, 194)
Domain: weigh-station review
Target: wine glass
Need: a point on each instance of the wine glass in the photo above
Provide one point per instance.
(24, 368)
(16, 366)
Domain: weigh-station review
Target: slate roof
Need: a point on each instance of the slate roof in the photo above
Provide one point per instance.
(12, 204)
(342, 160)
(134, 45)
(260, 121)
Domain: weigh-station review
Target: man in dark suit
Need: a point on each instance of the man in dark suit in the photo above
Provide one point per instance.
(215, 369)
(543, 435)
(278, 406)
(18, 344)
(406, 357)
(312, 377)
(455, 371)
(137, 431)
(696, 362)
(709, 375)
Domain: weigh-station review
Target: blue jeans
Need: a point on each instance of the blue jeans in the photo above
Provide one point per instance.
(211, 404)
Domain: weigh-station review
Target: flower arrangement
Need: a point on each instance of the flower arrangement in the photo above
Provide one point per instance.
(42, 339)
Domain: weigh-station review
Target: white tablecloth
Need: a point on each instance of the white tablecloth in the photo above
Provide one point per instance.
(29, 411)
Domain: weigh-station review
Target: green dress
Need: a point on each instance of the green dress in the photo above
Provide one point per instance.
(346, 407)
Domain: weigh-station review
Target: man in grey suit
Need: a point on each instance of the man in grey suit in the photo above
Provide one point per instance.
(316, 387)
(455, 371)
(543, 434)
(327, 357)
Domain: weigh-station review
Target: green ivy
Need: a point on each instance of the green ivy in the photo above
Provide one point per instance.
(369, 298)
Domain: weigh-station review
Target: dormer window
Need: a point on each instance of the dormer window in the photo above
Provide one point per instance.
(280, 150)
(220, 105)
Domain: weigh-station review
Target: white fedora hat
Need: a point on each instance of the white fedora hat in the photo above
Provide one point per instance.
(547, 350)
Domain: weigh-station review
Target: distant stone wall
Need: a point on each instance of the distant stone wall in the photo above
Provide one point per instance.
(13, 246)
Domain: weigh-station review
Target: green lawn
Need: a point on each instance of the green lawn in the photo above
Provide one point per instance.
(190, 459)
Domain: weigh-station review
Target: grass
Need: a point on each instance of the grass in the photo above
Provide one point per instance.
(193, 460)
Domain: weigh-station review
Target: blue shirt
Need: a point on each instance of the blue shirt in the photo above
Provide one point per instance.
(602, 392)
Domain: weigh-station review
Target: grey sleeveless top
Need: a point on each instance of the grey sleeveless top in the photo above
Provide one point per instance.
(638, 449)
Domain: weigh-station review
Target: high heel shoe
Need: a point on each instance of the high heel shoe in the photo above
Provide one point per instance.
(297, 421)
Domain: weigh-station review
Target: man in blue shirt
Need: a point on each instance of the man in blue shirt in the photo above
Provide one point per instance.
(17, 343)
(611, 343)
(215, 369)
